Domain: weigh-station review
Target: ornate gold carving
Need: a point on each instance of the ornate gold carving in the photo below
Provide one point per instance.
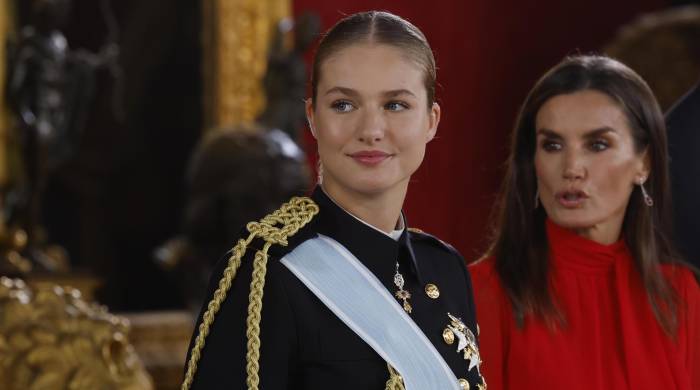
(6, 27)
(236, 39)
(50, 338)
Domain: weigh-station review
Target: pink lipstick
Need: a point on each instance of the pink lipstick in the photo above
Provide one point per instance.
(370, 157)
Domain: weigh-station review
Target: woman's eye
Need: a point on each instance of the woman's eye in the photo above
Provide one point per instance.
(551, 146)
(395, 106)
(342, 106)
(599, 145)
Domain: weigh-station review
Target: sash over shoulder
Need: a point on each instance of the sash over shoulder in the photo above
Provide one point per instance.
(359, 299)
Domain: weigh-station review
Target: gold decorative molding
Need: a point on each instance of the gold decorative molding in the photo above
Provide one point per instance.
(50, 338)
(6, 28)
(236, 35)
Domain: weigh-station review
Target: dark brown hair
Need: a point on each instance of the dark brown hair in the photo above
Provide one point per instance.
(381, 28)
(520, 246)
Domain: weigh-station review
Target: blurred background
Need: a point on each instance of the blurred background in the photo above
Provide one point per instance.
(138, 137)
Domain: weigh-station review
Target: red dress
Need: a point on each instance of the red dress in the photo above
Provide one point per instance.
(611, 339)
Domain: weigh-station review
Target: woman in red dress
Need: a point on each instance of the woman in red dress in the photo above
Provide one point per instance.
(581, 288)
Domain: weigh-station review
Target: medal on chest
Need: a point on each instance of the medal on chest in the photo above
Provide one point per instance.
(402, 294)
(466, 341)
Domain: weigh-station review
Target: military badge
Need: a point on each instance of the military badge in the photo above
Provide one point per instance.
(466, 342)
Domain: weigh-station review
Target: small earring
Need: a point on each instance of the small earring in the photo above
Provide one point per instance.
(647, 198)
(537, 198)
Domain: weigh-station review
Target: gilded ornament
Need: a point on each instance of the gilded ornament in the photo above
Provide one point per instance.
(464, 384)
(448, 336)
(51, 338)
(432, 291)
(238, 35)
(466, 342)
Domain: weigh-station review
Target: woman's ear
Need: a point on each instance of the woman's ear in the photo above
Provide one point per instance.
(644, 166)
(309, 108)
(433, 121)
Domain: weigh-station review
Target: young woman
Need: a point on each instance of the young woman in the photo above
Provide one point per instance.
(582, 288)
(352, 298)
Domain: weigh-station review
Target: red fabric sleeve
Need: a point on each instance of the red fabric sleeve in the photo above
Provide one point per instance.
(692, 324)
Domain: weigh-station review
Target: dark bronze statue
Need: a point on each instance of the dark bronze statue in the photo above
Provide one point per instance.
(285, 80)
(49, 89)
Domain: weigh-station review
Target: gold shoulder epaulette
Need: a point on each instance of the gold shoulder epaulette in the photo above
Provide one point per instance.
(275, 228)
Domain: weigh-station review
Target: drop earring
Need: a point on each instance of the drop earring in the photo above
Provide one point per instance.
(647, 198)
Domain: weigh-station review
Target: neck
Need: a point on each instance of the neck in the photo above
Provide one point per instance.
(381, 210)
(603, 233)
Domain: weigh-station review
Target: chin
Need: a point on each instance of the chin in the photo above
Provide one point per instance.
(575, 221)
(374, 185)
(370, 187)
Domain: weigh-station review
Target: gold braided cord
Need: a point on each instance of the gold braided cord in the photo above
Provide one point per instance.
(234, 262)
(291, 217)
(395, 381)
(257, 284)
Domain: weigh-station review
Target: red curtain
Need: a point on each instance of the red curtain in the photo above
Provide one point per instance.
(489, 54)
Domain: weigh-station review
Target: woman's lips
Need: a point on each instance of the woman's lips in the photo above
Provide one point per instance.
(571, 199)
(370, 157)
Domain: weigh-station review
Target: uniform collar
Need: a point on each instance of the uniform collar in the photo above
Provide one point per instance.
(394, 235)
(375, 249)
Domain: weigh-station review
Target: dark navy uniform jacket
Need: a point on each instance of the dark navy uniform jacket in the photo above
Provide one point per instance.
(684, 150)
(303, 344)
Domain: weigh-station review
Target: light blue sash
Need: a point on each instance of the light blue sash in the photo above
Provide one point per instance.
(360, 300)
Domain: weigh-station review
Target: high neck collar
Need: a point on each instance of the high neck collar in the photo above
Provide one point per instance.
(569, 249)
(377, 250)
(394, 234)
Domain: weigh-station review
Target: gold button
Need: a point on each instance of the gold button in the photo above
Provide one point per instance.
(463, 384)
(448, 336)
(432, 291)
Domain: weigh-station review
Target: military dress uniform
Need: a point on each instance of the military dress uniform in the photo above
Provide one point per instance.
(304, 345)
